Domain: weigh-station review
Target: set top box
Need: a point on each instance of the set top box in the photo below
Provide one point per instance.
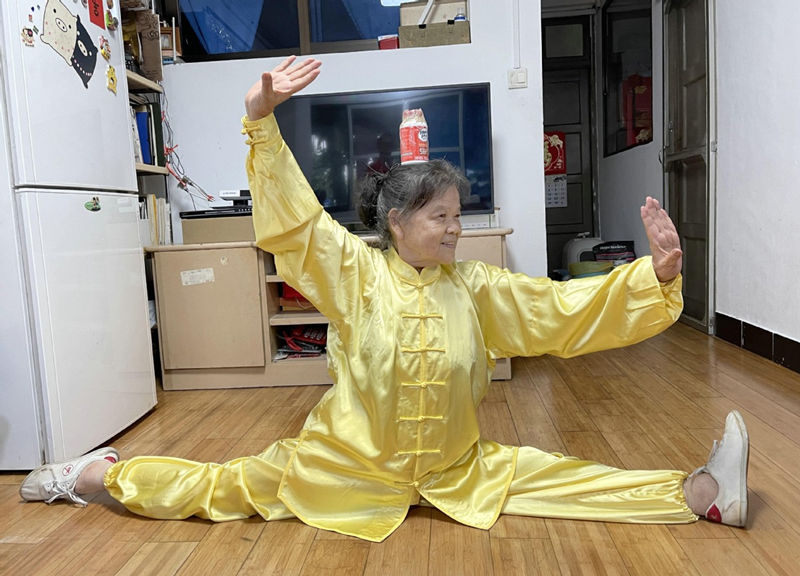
(222, 224)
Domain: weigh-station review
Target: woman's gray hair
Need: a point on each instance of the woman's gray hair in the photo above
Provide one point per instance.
(407, 187)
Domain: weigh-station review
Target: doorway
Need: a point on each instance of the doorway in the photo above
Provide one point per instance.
(567, 102)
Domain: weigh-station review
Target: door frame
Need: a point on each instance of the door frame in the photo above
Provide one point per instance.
(711, 151)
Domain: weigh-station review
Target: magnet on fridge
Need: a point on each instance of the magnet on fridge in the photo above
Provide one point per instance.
(111, 21)
(111, 75)
(92, 205)
(105, 47)
(96, 13)
(27, 36)
(110, 4)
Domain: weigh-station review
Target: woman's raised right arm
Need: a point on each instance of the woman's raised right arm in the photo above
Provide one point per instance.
(313, 253)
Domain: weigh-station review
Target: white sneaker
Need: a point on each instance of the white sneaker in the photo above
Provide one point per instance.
(53, 481)
(727, 464)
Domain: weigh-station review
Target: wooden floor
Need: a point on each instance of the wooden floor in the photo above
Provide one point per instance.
(655, 405)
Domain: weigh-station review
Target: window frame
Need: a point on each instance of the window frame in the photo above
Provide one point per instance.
(306, 47)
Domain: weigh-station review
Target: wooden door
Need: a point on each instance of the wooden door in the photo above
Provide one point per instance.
(686, 149)
(566, 109)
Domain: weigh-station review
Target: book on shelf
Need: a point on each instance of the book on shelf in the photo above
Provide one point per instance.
(143, 128)
(137, 145)
(150, 131)
(145, 234)
(158, 133)
(155, 222)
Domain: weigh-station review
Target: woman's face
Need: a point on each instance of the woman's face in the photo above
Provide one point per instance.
(429, 236)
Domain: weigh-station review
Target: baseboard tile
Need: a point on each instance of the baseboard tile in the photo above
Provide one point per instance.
(779, 349)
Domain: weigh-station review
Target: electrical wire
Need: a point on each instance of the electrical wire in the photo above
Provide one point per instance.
(173, 159)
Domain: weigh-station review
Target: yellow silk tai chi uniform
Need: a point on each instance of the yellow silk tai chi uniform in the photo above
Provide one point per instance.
(411, 355)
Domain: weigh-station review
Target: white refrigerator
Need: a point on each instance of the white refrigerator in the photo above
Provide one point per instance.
(76, 364)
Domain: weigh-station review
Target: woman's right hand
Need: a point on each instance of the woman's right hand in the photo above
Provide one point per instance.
(278, 85)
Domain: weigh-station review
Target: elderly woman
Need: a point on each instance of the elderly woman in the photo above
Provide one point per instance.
(412, 342)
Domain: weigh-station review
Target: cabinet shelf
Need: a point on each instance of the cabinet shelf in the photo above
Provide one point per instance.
(296, 318)
(151, 169)
(139, 82)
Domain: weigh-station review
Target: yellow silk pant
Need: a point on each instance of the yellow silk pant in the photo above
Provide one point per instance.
(544, 485)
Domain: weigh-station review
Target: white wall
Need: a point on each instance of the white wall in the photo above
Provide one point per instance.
(625, 179)
(758, 164)
(206, 104)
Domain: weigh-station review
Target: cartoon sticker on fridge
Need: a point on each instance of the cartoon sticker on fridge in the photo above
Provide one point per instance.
(64, 33)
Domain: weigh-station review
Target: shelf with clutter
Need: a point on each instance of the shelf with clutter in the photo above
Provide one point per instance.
(141, 28)
(434, 23)
(141, 40)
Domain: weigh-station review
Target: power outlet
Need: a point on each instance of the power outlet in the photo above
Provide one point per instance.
(518, 78)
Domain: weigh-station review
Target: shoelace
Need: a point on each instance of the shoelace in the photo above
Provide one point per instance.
(713, 450)
(704, 467)
(59, 489)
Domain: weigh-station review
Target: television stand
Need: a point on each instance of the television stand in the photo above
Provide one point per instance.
(218, 314)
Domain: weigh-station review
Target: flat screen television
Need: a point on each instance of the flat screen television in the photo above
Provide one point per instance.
(338, 138)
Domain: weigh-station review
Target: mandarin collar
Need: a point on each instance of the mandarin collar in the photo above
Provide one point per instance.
(408, 274)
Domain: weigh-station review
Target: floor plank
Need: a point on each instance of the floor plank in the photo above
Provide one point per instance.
(458, 549)
(224, 549)
(405, 552)
(584, 548)
(336, 557)
(523, 557)
(157, 558)
(281, 550)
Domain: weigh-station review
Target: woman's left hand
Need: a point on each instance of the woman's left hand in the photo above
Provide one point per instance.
(665, 245)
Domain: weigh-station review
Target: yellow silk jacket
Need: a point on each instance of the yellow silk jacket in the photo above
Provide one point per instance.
(411, 356)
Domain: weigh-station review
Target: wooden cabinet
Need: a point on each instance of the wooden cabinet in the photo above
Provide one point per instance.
(488, 245)
(218, 314)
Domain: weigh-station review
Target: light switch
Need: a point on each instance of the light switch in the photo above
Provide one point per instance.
(518, 78)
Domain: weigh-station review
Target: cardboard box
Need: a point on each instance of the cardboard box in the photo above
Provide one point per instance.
(148, 29)
(441, 34)
(134, 4)
(442, 11)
